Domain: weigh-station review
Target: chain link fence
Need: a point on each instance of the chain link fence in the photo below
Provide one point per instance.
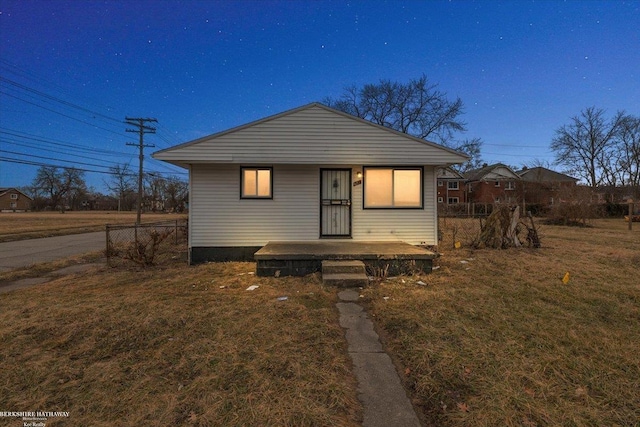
(146, 244)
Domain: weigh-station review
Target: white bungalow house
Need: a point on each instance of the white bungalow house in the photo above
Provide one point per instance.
(308, 174)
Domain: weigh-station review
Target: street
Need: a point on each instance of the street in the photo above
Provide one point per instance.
(26, 252)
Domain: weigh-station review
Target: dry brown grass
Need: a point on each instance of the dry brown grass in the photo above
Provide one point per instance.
(31, 225)
(501, 340)
(170, 347)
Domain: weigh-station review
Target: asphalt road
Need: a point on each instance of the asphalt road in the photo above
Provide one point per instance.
(26, 252)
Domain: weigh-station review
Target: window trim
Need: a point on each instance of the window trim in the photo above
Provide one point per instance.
(449, 200)
(457, 187)
(394, 168)
(509, 185)
(256, 197)
(14, 196)
(440, 199)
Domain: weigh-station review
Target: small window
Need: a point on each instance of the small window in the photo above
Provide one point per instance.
(257, 183)
(13, 205)
(509, 185)
(14, 196)
(440, 199)
(392, 188)
(452, 185)
(497, 184)
(439, 183)
(454, 200)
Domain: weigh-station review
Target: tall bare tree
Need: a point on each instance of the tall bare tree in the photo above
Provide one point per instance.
(628, 138)
(58, 183)
(417, 108)
(122, 185)
(584, 146)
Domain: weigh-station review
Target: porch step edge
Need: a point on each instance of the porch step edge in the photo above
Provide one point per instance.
(336, 267)
(345, 279)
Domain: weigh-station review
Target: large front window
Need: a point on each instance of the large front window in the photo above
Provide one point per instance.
(392, 187)
(256, 183)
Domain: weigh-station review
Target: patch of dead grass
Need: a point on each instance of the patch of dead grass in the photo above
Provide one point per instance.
(177, 346)
(32, 225)
(500, 340)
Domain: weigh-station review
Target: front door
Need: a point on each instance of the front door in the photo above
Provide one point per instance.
(335, 201)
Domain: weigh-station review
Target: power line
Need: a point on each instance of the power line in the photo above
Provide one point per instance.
(59, 113)
(54, 98)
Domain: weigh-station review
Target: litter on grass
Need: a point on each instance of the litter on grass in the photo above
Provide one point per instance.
(282, 298)
(421, 283)
(253, 287)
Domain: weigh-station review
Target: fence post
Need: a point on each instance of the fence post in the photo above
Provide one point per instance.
(107, 249)
(176, 231)
(630, 214)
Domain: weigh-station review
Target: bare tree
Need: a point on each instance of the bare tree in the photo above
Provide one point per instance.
(470, 147)
(155, 191)
(122, 185)
(628, 138)
(177, 193)
(584, 146)
(416, 108)
(58, 184)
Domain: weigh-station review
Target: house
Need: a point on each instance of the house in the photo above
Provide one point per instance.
(309, 174)
(451, 186)
(491, 184)
(14, 200)
(544, 186)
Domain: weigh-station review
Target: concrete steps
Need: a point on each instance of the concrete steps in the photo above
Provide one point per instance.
(346, 274)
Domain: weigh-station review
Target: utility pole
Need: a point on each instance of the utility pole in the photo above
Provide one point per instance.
(142, 128)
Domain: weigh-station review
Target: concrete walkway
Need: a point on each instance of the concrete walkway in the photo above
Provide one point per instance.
(384, 399)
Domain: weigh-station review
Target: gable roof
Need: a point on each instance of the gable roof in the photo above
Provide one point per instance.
(311, 134)
(5, 190)
(540, 174)
(495, 172)
(448, 173)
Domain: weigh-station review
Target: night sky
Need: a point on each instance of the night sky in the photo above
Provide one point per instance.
(72, 70)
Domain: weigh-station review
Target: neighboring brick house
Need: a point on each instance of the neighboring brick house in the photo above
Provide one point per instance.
(544, 186)
(496, 183)
(14, 200)
(451, 187)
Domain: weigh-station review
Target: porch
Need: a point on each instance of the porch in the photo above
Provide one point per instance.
(299, 258)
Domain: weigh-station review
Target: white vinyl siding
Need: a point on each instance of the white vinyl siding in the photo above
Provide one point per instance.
(219, 217)
(414, 226)
(311, 135)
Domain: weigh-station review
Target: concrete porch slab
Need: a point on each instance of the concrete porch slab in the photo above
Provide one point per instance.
(333, 249)
(304, 257)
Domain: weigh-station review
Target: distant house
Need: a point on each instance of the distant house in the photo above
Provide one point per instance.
(309, 174)
(451, 187)
(544, 186)
(14, 200)
(496, 183)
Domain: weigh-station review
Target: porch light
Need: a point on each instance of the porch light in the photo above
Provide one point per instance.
(359, 174)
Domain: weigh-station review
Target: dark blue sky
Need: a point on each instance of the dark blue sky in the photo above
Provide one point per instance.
(72, 70)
